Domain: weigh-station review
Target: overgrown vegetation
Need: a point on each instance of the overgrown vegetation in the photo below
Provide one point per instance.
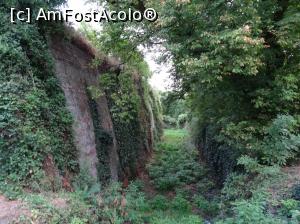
(184, 198)
(175, 110)
(236, 88)
(237, 63)
(34, 122)
(174, 166)
(91, 203)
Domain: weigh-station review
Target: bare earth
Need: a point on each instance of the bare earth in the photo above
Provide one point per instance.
(10, 210)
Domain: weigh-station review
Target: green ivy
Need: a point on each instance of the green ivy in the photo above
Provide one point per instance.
(102, 139)
(34, 121)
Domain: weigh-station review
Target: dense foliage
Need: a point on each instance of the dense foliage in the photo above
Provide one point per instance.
(34, 121)
(175, 166)
(235, 66)
(138, 203)
(237, 63)
(33, 118)
(174, 110)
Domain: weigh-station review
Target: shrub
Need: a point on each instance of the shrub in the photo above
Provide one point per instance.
(169, 121)
(180, 204)
(76, 220)
(83, 180)
(159, 202)
(236, 187)
(187, 219)
(280, 143)
(182, 120)
(42, 210)
(205, 185)
(251, 211)
(117, 206)
(175, 166)
(9, 190)
(288, 205)
(252, 166)
(209, 208)
(296, 192)
(295, 217)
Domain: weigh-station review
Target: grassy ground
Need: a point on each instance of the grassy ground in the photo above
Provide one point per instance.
(179, 180)
(176, 189)
(172, 193)
(175, 136)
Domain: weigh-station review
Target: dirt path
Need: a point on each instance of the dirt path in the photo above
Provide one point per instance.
(11, 210)
(148, 187)
(285, 184)
(293, 174)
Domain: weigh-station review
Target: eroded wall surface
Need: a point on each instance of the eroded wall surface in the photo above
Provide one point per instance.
(72, 65)
(73, 69)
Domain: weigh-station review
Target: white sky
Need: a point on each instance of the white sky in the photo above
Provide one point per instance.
(160, 79)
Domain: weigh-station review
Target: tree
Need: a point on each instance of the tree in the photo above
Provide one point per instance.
(237, 61)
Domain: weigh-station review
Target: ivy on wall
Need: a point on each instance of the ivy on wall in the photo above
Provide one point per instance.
(121, 91)
(124, 103)
(34, 121)
(102, 139)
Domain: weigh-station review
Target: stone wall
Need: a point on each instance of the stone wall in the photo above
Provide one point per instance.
(73, 59)
(72, 65)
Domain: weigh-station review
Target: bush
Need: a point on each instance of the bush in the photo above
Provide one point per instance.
(186, 219)
(169, 121)
(159, 202)
(251, 211)
(280, 143)
(76, 220)
(9, 190)
(175, 166)
(296, 192)
(83, 180)
(205, 185)
(42, 210)
(236, 187)
(295, 217)
(180, 204)
(209, 208)
(117, 206)
(182, 120)
(288, 205)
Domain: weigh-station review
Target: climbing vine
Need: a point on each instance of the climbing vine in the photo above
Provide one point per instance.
(34, 121)
(122, 93)
(124, 104)
(102, 139)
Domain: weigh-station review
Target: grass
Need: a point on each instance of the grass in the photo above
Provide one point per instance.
(175, 136)
(175, 168)
(181, 193)
(175, 173)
